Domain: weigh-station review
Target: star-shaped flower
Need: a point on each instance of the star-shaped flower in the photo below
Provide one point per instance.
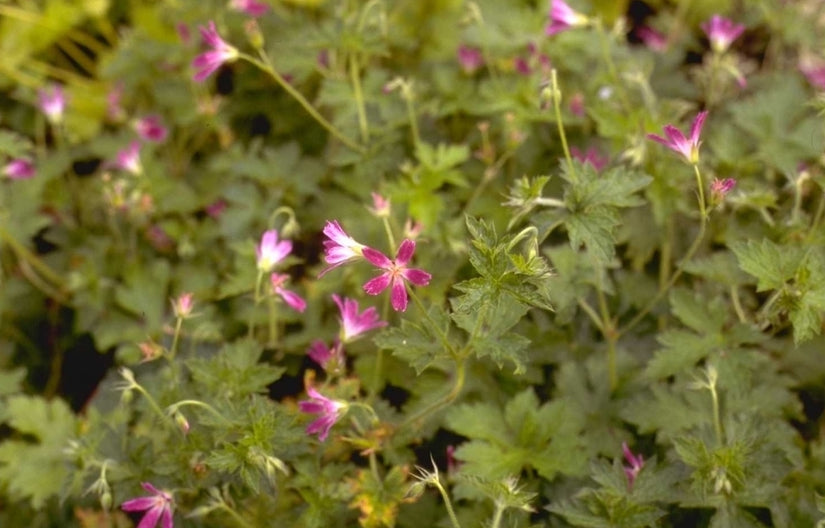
(328, 409)
(395, 275)
(158, 506)
(354, 324)
(208, 62)
(677, 142)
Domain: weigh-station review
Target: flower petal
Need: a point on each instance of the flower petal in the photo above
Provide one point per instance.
(405, 252)
(398, 296)
(377, 258)
(417, 276)
(292, 299)
(696, 128)
(378, 284)
(151, 518)
(138, 504)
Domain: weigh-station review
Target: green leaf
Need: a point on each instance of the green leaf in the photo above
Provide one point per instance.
(419, 344)
(35, 469)
(235, 370)
(144, 291)
(771, 264)
(11, 381)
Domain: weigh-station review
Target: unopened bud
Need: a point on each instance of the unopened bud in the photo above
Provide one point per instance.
(182, 422)
(254, 34)
(106, 500)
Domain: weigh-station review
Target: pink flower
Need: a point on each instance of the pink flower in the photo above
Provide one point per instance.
(182, 306)
(329, 358)
(676, 141)
(271, 251)
(354, 324)
(329, 411)
(114, 111)
(216, 208)
(577, 104)
(652, 39)
(815, 75)
(721, 32)
(52, 103)
(720, 188)
(150, 128)
(19, 169)
(470, 59)
(636, 464)
(208, 62)
(522, 66)
(291, 298)
(592, 156)
(380, 206)
(395, 274)
(340, 248)
(250, 7)
(157, 506)
(128, 159)
(563, 17)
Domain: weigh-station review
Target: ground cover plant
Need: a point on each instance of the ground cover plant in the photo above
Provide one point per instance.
(412, 263)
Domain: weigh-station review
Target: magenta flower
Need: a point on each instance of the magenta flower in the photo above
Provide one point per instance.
(128, 159)
(271, 251)
(19, 169)
(720, 188)
(636, 464)
(250, 7)
(158, 507)
(815, 75)
(354, 324)
(676, 141)
(651, 38)
(151, 128)
(208, 62)
(329, 411)
(470, 59)
(395, 274)
(52, 103)
(380, 206)
(340, 248)
(592, 156)
(114, 110)
(182, 306)
(216, 208)
(563, 17)
(721, 32)
(330, 358)
(291, 298)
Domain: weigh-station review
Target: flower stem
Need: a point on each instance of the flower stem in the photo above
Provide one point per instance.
(359, 98)
(24, 254)
(390, 236)
(703, 221)
(717, 422)
(235, 515)
(497, 515)
(175, 338)
(559, 121)
(196, 403)
(266, 66)
(447, 504)
(453, 393)
(273, 321)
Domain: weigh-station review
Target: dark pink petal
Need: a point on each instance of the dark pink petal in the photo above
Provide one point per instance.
(405, 252)
(293, 300)
(378, 284)
(696, 128)
(417, 276)
(150, 519)
(675, 136)
(138, 504)
(310, 407)
(166, 519)
(398, 296)
(377, 258)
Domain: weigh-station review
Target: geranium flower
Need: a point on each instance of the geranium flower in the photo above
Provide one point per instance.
(395, 274)
(651, 38)
(470, 59)
(291, 298)
(52, 103)
(328, 409)
(208, 62)
(636, 464)
(158, 507)
(380, 206)
(721, 32)
(250, 7)
(340, 248)
(354, 324)
(720, 188)
(676, 141)
(330, 358)
(815, 75)
(563, 17)
(271, 251)
(19, 169)
(128, 159)
(182, 305)
(151, 128)
(591, 156)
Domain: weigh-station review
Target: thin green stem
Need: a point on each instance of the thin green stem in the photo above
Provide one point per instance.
(697, 241)
(173, 350)
(390, 236)
(273, 321)
(151, 400)
(591, 313)
(497, 515)
(24, 254)
(451, 395)
(266, 66)
(717, 422)
(559, 121)
(737, 304)
(355, 78)
(611, 67)
(235, 515)
(447, 504)
(407, 94)
(197, 403)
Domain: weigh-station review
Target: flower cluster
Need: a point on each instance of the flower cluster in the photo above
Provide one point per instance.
(341, 248)
(270, 251)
